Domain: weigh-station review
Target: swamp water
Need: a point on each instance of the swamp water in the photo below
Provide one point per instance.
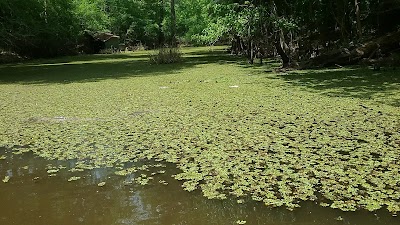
(31, 196)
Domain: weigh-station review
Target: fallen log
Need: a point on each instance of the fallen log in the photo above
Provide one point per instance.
(378, 48)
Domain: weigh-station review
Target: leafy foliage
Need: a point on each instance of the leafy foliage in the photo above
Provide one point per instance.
(38, 28)
(294, 30)
(92, 15)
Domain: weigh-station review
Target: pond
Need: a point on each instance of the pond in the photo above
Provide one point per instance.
(34, 196)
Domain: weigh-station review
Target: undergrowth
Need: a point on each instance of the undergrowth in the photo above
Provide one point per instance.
(166, 56)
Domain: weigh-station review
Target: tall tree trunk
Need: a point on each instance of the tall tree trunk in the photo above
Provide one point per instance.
(282, 53)
(173, 24)
(250, 48)
(161, 37)
(45, 11)
(358, 20)
(279, 39)
(340, 14)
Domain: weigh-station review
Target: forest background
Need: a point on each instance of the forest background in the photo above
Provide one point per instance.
(315, 32)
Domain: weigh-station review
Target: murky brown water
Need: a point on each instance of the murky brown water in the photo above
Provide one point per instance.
(32, 197)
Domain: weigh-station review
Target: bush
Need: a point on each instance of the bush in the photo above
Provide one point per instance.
(166, 56)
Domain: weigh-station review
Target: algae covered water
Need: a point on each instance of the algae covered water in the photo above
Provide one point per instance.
(203, 141)
(35, 195)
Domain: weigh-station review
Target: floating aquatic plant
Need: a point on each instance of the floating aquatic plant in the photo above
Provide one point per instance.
(143, 180)
(163, 182)
(6, 179)
(52, 171)
(267, 139)
(74, 178)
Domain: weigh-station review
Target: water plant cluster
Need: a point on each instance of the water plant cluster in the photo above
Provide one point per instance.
(264, 140)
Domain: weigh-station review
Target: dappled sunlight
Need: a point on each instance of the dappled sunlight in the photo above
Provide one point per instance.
(363, 83)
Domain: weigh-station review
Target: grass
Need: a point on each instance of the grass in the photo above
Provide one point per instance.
(331, 136)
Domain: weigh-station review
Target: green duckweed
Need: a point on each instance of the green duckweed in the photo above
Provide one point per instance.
(6, 179)
(257, 136)
(74, 178)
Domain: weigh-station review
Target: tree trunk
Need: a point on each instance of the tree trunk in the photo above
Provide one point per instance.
(281, 52)
(236, 45)
(45, 11)
(358, 20)
(173, 24)
(340, 14)
(161, 37)
(279, 41)
(250, 50)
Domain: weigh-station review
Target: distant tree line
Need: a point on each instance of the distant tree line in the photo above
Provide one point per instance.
(48, 28)
(294, 30)
(298, 30)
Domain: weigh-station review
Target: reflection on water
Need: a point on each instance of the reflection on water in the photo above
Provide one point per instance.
(32, 197)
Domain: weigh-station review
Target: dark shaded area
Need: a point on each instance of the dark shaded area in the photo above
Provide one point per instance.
(84, 58)
(356, 82)
(37, 29)
(91, 45)
(363, 83)
(388, 15)
(383, 50)
(89, 68)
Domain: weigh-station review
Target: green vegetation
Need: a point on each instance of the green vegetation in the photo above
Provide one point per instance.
(74, 178)
(306, 32)
(166, 56)
(330, 136)
(6, 179)
(48, 28)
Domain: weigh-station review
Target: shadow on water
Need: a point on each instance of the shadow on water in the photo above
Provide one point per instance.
(382, 86)
(363, 83)
(32, 197)
(101, 67)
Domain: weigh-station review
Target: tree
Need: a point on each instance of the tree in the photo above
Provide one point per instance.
(38, 28)
(293, 30)
(173, 24)
(92, 15)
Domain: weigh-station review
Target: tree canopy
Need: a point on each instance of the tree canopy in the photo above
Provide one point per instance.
(293, 30)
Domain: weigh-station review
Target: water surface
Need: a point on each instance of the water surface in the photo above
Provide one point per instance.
(32, 197)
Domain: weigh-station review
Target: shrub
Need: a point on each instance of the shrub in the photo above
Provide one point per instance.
(166, 56)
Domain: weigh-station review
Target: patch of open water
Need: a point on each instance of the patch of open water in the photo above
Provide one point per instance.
(32, 197)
